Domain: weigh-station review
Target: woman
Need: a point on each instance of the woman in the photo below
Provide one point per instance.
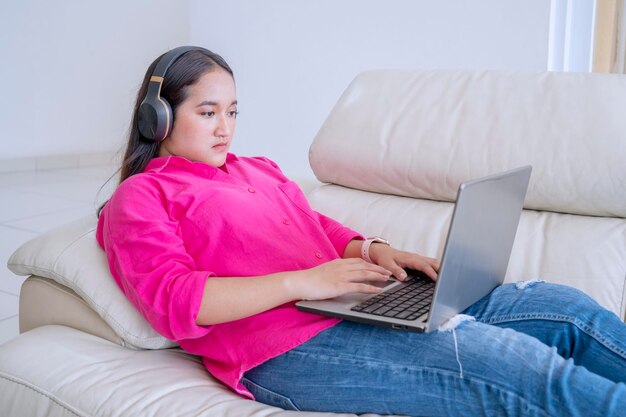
(214, 249)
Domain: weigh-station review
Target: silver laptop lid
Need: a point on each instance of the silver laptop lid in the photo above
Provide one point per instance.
(479, 242)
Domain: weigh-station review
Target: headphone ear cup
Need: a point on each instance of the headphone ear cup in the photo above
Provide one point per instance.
(154, 119)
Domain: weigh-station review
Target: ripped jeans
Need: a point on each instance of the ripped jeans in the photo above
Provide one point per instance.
(535, 350)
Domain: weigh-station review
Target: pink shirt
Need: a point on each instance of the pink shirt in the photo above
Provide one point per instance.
(168, 229)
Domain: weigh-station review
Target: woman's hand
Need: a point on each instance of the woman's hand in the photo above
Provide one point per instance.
(396, 260)
(228, 299)
(335, 278)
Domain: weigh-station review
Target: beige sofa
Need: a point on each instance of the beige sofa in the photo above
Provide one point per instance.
(391, 154)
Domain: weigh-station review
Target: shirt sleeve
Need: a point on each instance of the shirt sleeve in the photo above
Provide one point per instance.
(148, 259)
(338, 234)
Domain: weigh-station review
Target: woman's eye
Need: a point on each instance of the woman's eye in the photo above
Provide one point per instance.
(233, 113)
(208, 113)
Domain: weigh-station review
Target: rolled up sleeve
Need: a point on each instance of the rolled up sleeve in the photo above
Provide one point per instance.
(337, 233)
(148, 259)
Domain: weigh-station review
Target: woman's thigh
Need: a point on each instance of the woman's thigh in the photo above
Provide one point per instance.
(474, 369)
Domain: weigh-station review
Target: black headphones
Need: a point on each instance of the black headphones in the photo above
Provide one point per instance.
(155, 116)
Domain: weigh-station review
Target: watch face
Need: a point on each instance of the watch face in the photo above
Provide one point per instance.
(379, 240)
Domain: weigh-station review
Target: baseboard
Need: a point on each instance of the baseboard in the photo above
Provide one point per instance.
(38, 163)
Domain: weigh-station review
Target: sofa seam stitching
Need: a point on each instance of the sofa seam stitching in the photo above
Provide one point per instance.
(51, 397)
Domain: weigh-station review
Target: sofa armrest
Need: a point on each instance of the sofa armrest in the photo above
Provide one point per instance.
(43, 301)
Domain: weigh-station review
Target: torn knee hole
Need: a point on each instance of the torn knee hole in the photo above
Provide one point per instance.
(454, 322)
(520, 285)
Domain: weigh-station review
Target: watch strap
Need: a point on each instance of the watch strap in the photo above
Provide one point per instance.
(365, 247)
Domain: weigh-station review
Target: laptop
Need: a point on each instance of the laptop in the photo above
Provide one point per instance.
(475, 259)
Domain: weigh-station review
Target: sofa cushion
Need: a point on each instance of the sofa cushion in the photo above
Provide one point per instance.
(55, 371)
(70, 255)
(421, 133)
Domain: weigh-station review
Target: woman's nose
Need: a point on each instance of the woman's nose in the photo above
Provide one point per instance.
(224, 126)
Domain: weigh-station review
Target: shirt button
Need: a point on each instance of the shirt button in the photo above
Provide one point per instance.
(286, 221)
(251, 190)
(318, 254)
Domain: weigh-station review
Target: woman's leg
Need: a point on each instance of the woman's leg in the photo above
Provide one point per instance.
(562, 317)
(474, 369)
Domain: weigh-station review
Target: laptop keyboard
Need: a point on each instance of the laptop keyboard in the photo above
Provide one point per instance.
(407, 302)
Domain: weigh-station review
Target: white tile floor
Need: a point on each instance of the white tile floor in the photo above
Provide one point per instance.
(33, 202)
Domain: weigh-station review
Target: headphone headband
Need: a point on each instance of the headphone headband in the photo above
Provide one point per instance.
(155, 114)
(170, 57)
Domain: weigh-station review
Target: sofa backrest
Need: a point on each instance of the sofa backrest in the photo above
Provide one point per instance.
(397, 145)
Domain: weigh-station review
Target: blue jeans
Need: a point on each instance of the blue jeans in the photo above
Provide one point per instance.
(542, 350)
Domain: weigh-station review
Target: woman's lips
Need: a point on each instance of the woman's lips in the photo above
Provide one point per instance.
(220, 146)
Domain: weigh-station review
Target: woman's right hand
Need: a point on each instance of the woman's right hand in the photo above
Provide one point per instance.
(337, 277)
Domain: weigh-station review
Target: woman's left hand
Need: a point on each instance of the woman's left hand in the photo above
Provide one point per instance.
(396, 261)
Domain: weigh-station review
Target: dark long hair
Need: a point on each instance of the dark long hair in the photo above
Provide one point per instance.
(184, 72)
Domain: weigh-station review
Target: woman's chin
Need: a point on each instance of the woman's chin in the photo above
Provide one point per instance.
(216, 160)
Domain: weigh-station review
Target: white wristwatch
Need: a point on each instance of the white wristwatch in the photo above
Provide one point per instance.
(365, 247)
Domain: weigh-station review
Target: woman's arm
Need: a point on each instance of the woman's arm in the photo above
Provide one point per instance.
(394, 260)
(229, 299)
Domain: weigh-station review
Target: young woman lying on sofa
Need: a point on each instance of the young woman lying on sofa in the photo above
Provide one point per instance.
(214, 249)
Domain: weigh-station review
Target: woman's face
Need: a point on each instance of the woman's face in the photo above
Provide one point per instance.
(204, 122)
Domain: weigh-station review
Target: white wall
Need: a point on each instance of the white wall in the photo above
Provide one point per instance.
(71, 69)
(293, 58)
